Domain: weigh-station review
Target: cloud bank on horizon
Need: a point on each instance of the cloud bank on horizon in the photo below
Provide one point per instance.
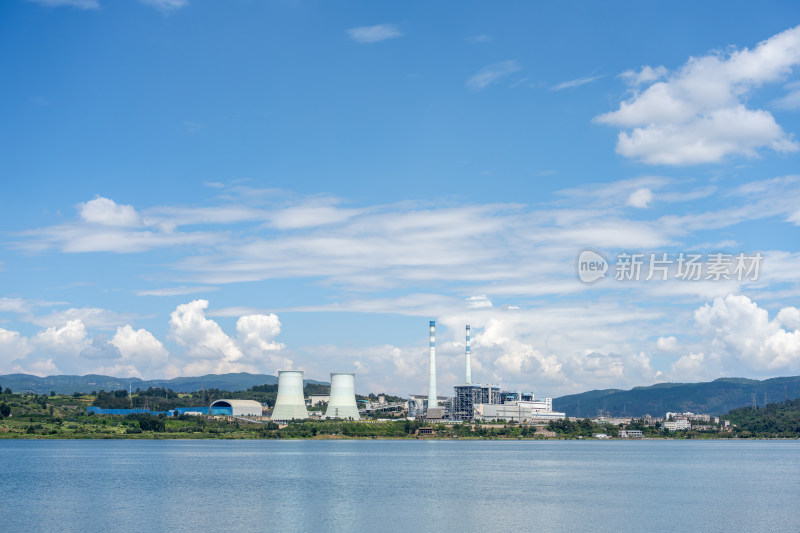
(184, 269)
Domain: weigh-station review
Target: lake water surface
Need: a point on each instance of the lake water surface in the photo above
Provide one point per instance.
(360, 486)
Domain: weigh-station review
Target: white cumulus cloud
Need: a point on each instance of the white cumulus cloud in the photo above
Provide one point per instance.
(69, 339)
(257, 332)
(691, 367)
(140, 347)
(698, 113)
(100, 348)
(106, 212)
(201, 336)
(743, 337)
(12, 346)
(646, 74)
(667, 344)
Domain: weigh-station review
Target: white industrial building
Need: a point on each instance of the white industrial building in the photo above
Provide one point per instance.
(238, 407)
(290, 403)
(316, 399)
(519, 411)
(342, 404)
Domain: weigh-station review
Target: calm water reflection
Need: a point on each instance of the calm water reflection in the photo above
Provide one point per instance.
(359, 486)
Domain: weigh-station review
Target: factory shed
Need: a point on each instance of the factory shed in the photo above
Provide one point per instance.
(236, 408)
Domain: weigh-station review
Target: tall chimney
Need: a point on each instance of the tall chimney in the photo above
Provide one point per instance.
(432, 403)
(468, 362)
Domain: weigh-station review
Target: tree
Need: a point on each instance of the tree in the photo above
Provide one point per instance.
(52, 393)
(148, 422)
(5, 410)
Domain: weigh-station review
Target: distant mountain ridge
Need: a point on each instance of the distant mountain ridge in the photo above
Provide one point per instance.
(64, 384)
(714, 397)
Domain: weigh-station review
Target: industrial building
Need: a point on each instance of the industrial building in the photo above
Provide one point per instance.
(518, 411)
(466, 397)
(290, 403)
(342, 403)
(236, 408)
(316, 399)
(418, 404)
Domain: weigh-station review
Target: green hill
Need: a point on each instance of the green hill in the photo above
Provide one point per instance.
(714, 397)
(93, 382)
(780, 419)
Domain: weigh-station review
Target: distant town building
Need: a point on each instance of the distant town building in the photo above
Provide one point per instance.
(630, 434)
(677, 424)
(689, 416)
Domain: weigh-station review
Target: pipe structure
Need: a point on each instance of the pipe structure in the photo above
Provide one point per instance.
(432, 403)
(290, 403)
(342, 402)
(468, 363)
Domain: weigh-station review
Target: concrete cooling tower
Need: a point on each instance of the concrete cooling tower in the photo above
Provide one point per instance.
(342, 404)
(290, 403)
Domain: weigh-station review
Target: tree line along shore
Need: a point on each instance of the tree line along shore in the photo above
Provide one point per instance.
(54, 416)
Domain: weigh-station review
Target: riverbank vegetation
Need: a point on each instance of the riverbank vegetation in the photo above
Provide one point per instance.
(774, 420)
(64, 417)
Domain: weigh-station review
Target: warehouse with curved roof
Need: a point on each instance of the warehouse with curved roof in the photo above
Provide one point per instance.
(235, 408)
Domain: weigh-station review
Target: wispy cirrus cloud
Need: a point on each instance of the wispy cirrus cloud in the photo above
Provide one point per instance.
(506, 269)
(176, 291)
(166, 6)
(410, 244)
(374, 34)
(492, 73)
(571, 84)
(78, 4)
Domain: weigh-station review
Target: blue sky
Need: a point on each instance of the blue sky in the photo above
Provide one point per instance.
(196, 187)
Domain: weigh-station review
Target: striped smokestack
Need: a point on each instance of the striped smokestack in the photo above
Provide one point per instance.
(432, 404)
(468, 362)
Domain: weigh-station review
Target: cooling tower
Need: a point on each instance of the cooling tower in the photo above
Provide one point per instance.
(468, 362)
(343, 397)
(432, 403)
(290, 402)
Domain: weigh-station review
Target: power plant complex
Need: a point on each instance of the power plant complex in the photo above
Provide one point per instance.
(469, 402)
(475, 401)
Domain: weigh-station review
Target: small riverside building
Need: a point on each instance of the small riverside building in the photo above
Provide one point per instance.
(235, 408)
